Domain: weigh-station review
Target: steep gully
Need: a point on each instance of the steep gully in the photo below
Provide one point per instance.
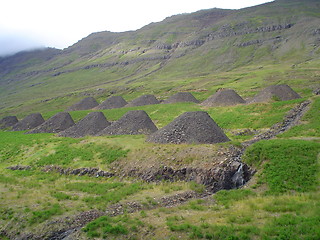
(230, 174)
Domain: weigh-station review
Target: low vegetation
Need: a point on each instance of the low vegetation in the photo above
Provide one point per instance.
(281, 201)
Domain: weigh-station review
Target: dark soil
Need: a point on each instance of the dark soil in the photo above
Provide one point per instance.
(276, 92)
(112, 102)
(84, 104)
(29, 122)
(190, 127)
(143, 100)
(59, 122)
(8, 121)
(93, 123)
(224, 97)
(132, 123)
(181, 97)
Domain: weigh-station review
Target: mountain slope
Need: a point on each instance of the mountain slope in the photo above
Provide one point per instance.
(187, 52)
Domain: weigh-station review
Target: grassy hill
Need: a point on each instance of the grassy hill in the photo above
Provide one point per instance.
(245, 49)
(120, 187)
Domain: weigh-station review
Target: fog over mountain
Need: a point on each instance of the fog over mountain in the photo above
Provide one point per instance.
(59, 25)
(11, 43)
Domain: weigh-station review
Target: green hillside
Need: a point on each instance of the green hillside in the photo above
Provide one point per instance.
(244, 49)
(262, 184)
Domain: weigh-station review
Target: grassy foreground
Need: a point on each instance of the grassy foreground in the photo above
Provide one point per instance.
(280, 202)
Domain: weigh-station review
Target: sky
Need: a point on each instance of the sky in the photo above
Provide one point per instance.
(30, 24)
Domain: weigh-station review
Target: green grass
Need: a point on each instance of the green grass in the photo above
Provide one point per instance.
(311, 123)
(42, 215)
(287, 165)
(280, 189)
(106, 227)
(44, 149)
(227, 197)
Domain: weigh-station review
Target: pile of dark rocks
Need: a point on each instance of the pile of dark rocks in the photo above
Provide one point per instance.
(93, 123)
(57, 123)
(132, 123)
(190, 127)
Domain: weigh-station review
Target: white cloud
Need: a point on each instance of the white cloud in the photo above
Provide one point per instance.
(61, 23)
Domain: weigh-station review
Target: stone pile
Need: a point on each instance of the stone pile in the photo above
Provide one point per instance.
(84, 104)
(190, 127)
(29, 122)
(58, 123)
(132, 123)
(93, 123)
(223, 97)
(181, 97)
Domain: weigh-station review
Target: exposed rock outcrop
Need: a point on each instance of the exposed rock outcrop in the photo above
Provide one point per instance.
(19, 167)
(91, 172)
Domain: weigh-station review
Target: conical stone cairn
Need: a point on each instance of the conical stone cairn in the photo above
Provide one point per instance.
(181, 97)
(223, 97)
(57, 123)
(112, 102)
(190, 128)
(84, 104)
(280, 92)
(91, 124)
(143, 100)
(8, 121)
(29, 122)
(132, 123)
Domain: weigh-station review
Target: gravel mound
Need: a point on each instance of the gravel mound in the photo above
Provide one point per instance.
(112, 102)
(143, 100)
(132, 123)
(57, 123)
(8, 121)
(84, 104)
(224, 97)
(93, 123)
(29, 122)
(181, 97)
(282, 92)
(190, 127)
